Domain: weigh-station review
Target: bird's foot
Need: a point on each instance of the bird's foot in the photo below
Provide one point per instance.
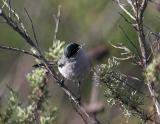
(61, 83)
(78, 99)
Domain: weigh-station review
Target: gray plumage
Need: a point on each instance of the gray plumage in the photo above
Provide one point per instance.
(75, 67)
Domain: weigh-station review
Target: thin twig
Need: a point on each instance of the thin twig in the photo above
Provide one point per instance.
(57, 20)
(5, 4)
(141, 35)
(155, 34)
(132, 5)
(79, 107)
(10, 8)
(33, 29)
(12, 24)
(129, 22)
(19, 50)
(143, 47)
(139, 8)
(124, 9)
(80, 114)
(130, 41)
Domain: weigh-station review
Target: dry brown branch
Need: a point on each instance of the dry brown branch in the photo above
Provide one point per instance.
(138, 8)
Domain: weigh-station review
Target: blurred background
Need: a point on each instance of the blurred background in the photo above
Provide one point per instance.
(89, 22)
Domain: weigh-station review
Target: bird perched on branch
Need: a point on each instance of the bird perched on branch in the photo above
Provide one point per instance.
(74, 64)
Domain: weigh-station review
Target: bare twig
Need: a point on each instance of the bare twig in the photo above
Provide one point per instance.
(141, 35)
(124, 9)
(153, 95)
(138, 8)
(11, 11)
(80, 114)
(129, 22)
(131, 3)
(155, 34)
(33, 29)
(10, 8)
(143, 47)
(126, 52)
(57, 20)
(130, 41)
(13, 24)
(78, 106)
(19, 50)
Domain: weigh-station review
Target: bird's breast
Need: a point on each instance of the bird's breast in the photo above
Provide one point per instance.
(76, 68)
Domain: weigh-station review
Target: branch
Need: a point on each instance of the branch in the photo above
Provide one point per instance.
(14, 26)
(11, 11)
(131, 3)
(124, 9)
(143, 47)
(19, 50)
(125, 34)
(57, 20)
(140, 31)
(78, 106)
(33, 29)
(139, 9)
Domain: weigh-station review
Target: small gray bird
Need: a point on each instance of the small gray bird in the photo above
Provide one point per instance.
(74, 64)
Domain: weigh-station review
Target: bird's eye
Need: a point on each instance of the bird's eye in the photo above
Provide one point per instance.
(61, 65)
(71, 49)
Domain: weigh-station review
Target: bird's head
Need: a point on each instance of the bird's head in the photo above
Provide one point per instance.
(71, 49)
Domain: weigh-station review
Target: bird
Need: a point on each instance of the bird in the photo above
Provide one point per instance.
(74, 64)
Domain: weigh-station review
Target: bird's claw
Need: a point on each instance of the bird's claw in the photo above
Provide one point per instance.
(78, 99)
(61, 83)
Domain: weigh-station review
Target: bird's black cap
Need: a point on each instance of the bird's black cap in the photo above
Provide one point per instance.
(71, 49)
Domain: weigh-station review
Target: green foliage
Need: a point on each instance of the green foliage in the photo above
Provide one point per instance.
(14, 113)
(17, 114)
(56, 50)
(153, 70)
(36, 111)
(152, 73)
(119, 92)
(36, 78)
(49, 118)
